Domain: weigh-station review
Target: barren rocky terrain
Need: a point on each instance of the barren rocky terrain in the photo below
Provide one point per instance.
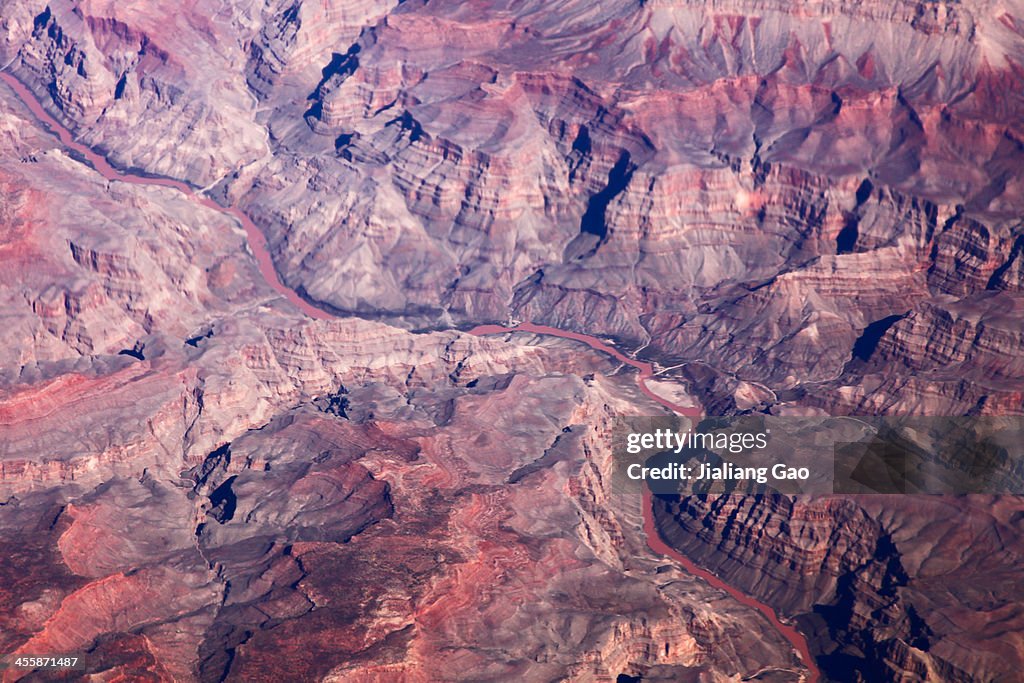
(797, 208)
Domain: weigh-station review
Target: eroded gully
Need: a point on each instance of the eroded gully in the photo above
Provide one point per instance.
(258, 246)
(257, 242)
(645, 371)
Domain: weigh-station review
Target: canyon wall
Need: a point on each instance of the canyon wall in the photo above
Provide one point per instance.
(798, 209)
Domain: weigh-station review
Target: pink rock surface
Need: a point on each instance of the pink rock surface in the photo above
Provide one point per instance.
(242, 436)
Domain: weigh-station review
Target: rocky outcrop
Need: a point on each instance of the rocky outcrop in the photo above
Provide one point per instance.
(208, 485)
(290, 49)
(841, 181)
(764, 241)
(889, 586)
(105, 67)
(785, 209)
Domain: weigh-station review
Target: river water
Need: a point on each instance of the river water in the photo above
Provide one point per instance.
(257, 242)
(258, 246)
(644, 372)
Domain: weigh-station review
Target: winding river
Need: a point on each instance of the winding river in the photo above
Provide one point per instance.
(257, 242)
(645, 371)
(258, 246)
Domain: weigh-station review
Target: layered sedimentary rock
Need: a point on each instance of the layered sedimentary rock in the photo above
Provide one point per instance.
(809, 208)
(673, 173)
(739, 186)
(199, 482)
(106, 66)
(889, 586)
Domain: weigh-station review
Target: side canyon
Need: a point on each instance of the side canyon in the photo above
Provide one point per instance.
(245, 433)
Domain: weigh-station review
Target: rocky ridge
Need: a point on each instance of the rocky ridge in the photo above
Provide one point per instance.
(668, 173)
(918, 586)
(208, 485)
(813, 210)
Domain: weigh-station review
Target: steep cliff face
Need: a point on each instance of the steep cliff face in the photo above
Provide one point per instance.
(106, 66)
(794, 208)
(746, 187)
(445, 533)
(742, 185)
(197, 482)
(888, 586)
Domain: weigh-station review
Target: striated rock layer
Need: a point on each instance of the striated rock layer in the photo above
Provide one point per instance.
(889, 586)
(199, 483)
(770, 192)
(793, 208)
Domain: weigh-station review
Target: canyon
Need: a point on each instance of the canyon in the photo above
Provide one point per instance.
(249, 427)
(234, 598)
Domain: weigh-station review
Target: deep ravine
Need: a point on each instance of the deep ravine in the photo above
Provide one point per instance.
(258, 246)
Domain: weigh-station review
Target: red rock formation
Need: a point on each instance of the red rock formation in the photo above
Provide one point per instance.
(249, 493)
(795, 208)
(888, 584)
